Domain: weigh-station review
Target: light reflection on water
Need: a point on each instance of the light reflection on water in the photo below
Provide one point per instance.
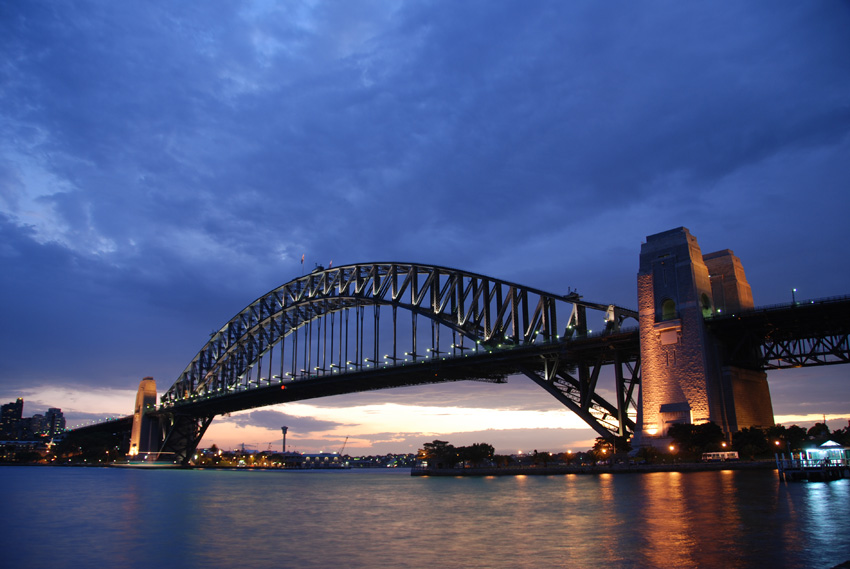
(82, 517)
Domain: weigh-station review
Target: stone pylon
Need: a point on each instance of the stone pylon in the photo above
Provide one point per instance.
(144, 437)
(683, 377)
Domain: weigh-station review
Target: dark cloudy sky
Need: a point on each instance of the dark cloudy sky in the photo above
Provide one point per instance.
(164, 163)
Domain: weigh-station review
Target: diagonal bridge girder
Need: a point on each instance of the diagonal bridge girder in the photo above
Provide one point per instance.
(329, 328)
(572, 377)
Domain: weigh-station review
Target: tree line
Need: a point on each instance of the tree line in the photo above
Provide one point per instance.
(441, 454)
(689, 442)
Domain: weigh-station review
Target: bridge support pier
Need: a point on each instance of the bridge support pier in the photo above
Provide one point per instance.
(159, 436)
(683, 376)
(144, 436)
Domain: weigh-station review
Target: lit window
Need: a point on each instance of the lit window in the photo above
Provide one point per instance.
(668, 309)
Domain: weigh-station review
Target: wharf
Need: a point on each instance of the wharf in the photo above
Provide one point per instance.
(812, 470)
(146, 465)
(829, 461)
(598, 469)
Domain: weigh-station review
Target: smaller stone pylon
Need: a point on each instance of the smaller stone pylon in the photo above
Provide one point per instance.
(143, 437)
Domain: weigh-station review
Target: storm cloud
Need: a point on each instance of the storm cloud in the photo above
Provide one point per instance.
(163, 164)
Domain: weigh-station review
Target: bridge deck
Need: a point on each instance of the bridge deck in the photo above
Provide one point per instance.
(493, 366)
(801, 334)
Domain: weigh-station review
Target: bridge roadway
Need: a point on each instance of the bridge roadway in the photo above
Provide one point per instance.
(492, 366)
(567, 369)
(799, 334)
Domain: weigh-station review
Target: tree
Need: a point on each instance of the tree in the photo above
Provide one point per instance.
(750, 442)
(795, 436)
(542, 457)
(647, 455)
(818, 431)
(707, 437)
(439, 454)
(602, 449)
(502, 459)
(622, 444)
(476, 454)
(841, 436)
(27, 456)
(91, 446)
(693, 440)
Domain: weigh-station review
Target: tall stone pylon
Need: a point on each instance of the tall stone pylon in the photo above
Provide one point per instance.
(683, 377)
(144, 436)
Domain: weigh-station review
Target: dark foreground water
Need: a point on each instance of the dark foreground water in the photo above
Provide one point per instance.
(110, 517)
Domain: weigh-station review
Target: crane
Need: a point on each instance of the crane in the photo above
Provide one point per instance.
(343, 445)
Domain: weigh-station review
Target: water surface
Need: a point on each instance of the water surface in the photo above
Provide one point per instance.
(110, 517)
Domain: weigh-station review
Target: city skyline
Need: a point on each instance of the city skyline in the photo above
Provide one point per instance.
(164, 167)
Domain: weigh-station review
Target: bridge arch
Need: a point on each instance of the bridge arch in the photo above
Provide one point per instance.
(365, 318)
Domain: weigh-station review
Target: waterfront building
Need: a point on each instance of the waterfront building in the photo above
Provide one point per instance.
(10, 418)
(55, 421)
(382, 461)
(324, 460)
(291, 459)
(14, 426)
(830, 452)
(13, 450)
(828, 461)
(35, 426)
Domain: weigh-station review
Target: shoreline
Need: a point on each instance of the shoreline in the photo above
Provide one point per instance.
(607, 469)
(445, 472)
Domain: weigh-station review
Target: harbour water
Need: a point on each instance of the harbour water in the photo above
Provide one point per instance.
(125, 518)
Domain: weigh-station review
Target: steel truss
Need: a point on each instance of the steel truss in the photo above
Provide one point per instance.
(801, 334)
(805, 352)
(181, 434)
(573, 382)
(356, 318)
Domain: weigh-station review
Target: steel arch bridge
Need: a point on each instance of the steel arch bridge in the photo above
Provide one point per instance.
(378, 325)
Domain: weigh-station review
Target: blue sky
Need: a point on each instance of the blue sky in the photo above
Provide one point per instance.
(165, 163)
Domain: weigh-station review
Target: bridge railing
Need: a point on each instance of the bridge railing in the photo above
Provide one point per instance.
(781, 306)
(804, 463)
(430, 357)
